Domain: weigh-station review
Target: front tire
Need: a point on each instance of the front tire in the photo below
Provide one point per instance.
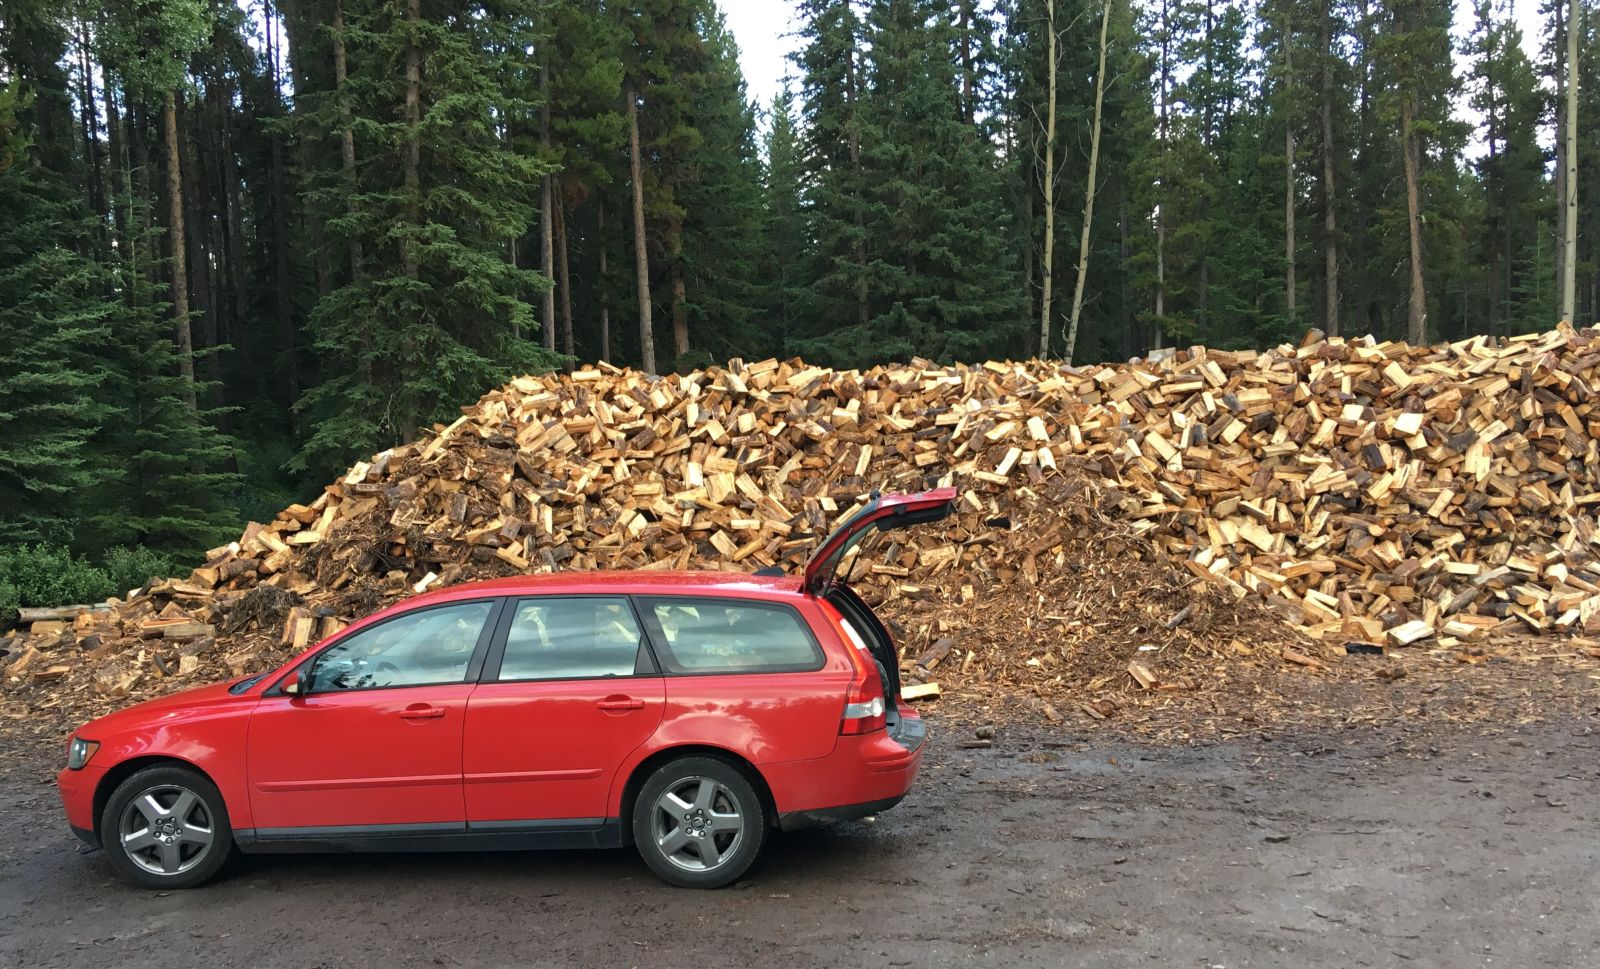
(166, 827)
(698, 823)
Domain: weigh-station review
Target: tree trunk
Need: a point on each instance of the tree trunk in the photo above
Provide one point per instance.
(1163, 130)
(1089, 192)
(91, 132)
(1288, 172)
(310, 219)
(1560, 228)
(641, 257)
(680, 310)
(413, 117)
(547, 248)
(968, 96)
(176, 241)
(1417, 316)
(347, 137)
(1048, 266)
(605, 279)
(1330, 225)
(565, 283)
(1569, 241)
(852, 96)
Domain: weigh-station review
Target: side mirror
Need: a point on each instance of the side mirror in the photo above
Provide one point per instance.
(300, 685)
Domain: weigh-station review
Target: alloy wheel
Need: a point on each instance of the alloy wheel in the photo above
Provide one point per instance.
(697, 824)
(166, 830)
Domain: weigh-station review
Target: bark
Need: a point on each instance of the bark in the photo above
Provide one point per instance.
(1161, 197)
(117, 165)
(968, 107)
(302, 149)
(859, 248)
(1089, 192)
(176, 238)
(565, 283)
(1288, 171)
(1569, 240)
(605, 279)
(1417, 315)
(234, 243)
(680, 310)
(1561, 171)
(91, 131)
(413, 116)
(1048, 265)
(547, 316)
(1330, 224)
(641, 257)
(197, 231)
(347, 137)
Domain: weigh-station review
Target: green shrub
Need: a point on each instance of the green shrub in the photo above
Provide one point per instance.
(10, 599)
(49, 575)
(130, 568)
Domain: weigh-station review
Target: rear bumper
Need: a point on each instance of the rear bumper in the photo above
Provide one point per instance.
(795, 820)
(864, 775)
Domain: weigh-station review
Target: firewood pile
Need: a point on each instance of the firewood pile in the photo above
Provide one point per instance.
(1348, 490)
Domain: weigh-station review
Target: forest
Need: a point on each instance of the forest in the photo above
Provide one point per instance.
(243, 244)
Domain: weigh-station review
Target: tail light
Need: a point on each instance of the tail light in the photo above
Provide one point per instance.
(865, 708)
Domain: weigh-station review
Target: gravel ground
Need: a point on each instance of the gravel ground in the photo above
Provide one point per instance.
(1374, 847)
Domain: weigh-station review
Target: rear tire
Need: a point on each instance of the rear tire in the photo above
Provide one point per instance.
(166, 827)
(698, 822)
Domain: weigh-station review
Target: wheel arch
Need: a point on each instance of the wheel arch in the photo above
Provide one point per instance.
(636, 779)
(133, 765)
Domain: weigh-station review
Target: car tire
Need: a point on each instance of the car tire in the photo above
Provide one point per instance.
(166, 827)
(698, 822)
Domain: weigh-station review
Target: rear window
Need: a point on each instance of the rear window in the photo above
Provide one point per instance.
(713, 636)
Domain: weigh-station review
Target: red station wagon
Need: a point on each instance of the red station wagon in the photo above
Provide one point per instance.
(685, 713)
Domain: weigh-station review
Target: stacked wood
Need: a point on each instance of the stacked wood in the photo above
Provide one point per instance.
(1368, 491)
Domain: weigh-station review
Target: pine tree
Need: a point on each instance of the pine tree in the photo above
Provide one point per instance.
(433, 322)
(784, 230)
(721, 198)
(149, 43)
(923, 207)
(832, 86)
(53, 316)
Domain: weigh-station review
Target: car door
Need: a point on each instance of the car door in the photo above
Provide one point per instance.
(568, 691)
(374, 743)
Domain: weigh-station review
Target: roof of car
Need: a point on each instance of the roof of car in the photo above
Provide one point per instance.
(637, 582)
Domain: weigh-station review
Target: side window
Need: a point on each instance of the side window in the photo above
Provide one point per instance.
(428, 646)
(581, 637)
(707, 636)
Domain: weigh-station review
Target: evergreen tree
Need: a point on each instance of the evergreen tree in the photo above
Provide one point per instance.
(441, 197)
(924, 206)
(721, 198)
(53, 316)
(784, 228)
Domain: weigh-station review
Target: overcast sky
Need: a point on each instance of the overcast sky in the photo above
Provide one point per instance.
(765, 32)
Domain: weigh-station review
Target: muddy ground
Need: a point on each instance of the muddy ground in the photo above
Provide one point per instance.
(1369, 846)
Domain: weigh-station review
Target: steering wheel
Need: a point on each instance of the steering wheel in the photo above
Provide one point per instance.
(382, 674)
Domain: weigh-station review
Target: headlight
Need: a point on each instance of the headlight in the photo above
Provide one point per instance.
(79, 752)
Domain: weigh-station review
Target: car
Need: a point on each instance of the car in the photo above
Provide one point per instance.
(688, 714)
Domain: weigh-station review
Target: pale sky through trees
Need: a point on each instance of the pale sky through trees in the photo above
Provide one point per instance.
(765, 32)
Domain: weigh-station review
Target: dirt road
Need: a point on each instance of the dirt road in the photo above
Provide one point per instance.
(1352, 848)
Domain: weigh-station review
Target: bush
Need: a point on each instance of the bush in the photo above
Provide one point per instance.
(129, 568)
(10, 599)
(49, 575)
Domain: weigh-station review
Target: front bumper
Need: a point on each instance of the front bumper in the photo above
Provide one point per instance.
(77, 789)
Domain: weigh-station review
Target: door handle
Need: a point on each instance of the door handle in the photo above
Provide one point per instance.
(421, 713)
(620, 703)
